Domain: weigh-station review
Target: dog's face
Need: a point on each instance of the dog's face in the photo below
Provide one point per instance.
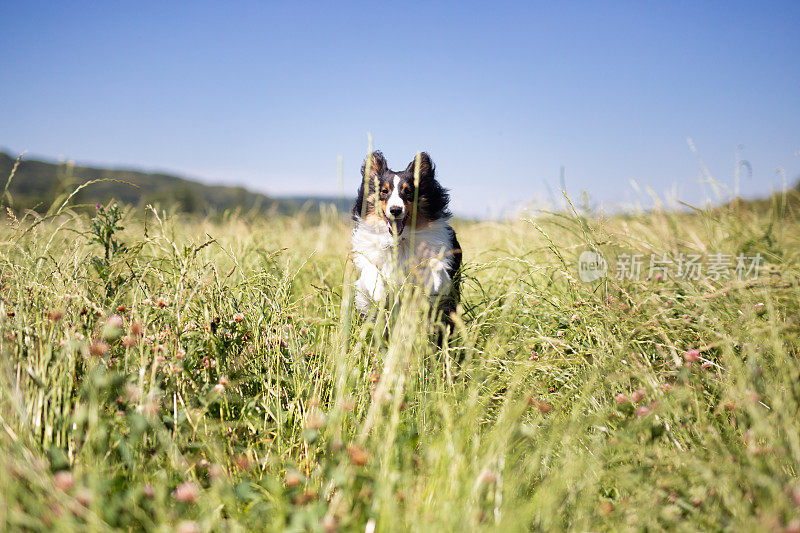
(395, 200)
(389, 197)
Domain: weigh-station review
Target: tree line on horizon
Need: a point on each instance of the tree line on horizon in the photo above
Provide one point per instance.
(37, 184)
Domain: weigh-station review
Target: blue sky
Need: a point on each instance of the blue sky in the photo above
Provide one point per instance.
(502, 95)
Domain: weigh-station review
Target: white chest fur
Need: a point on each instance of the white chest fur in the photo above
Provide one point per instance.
(422, 256)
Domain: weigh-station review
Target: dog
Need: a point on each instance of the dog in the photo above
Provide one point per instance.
(401, 233)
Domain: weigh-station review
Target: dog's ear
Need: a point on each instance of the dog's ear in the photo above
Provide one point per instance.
(426, 168)
(376, 164)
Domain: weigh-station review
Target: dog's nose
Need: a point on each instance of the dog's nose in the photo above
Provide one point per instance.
(395, 211)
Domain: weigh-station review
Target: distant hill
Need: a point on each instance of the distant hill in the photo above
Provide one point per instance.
(37, 184)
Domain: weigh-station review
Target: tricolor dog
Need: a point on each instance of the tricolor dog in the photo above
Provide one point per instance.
(402, 235)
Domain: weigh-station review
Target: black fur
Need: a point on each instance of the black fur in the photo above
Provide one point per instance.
(449, 305)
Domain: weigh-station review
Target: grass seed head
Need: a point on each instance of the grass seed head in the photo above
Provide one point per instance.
(243, 462)
(64, 480)
(216, 471)
(543, 407)
(329, 524)
(98, 348)
(113, 327)
(793, 526)
(188, 526)
(358, 456)
(691, 356)
(487, 477)
(148, 491)
(315, 419)
(186, 492)
(293, 478)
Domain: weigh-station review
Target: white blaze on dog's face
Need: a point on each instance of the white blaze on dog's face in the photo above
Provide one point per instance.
(396, 198)
(395, 208)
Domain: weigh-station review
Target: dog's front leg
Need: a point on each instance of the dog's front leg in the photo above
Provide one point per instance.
(370, 288)
(438, 281)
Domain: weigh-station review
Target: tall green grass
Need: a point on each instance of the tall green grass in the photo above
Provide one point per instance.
(211, 374)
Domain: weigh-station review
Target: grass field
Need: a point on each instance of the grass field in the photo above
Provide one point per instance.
(162, 371)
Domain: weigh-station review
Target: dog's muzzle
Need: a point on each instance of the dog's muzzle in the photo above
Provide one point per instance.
(396, 220)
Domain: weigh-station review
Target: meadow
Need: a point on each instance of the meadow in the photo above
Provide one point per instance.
(164, 372)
